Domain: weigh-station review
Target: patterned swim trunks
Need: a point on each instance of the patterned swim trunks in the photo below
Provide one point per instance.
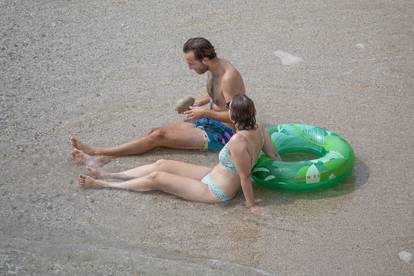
(217, 134)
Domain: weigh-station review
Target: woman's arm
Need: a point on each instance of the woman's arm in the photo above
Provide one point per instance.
(268, 147)
(241, 159)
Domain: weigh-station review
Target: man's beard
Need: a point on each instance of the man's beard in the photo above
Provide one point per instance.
(203, 70)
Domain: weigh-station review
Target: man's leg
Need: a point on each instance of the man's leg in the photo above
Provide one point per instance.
(93, 161)
(180, 135)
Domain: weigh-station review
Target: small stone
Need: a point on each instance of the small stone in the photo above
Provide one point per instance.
(20, 148)
(184, 104)
(49, 206)
(405, 256)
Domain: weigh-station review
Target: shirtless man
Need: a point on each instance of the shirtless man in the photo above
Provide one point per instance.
(204, 128)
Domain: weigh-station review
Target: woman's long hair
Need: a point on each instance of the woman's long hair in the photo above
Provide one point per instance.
(243, 112)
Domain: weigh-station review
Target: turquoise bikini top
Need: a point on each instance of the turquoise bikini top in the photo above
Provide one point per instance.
(225, 161)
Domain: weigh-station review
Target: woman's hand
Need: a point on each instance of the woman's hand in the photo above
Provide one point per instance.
(268, 147)
(277, 157)
(257, 210)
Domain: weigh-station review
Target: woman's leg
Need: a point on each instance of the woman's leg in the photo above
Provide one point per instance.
(184, 187)
(101, 174)
(170, 166)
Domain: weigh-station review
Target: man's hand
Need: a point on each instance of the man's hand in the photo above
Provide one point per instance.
(195, 113)
(197, 104)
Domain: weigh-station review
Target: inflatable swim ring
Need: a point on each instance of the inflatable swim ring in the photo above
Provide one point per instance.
(335, 161)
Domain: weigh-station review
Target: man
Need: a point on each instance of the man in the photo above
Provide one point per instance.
(204, 128)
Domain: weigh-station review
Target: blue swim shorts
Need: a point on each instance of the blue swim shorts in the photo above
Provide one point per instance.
(217, 133)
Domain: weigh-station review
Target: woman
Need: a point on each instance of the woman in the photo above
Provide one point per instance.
(199, 183)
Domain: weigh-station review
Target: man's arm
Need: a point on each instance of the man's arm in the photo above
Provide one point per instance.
(203, 100)
(195, 113)
(232, 85)
(222, 116)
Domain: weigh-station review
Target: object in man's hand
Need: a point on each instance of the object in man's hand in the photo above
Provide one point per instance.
(183, 104)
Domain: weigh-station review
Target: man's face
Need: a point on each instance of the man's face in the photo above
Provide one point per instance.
(195, 64)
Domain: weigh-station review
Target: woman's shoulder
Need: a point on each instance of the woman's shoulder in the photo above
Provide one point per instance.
(248, 133)
(238, 139)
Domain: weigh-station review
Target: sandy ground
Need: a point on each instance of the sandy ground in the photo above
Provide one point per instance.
(107, 70)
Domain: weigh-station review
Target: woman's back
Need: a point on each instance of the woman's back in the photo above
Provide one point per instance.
(249, 143)
(255, 142)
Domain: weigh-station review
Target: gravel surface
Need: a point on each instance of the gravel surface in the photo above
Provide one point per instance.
(105, 71)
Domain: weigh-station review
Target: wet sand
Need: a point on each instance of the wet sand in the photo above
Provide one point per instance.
(106, 71)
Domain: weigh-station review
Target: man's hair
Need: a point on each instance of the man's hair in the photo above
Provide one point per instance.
(201, 48)
(243, 112)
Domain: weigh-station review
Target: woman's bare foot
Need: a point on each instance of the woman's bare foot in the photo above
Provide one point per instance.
(82, 147)
(80, 157)
(87, 182)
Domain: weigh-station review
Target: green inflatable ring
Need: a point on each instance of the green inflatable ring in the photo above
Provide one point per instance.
(336, 159)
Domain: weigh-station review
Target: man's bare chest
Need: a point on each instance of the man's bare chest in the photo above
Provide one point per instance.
(215, 91)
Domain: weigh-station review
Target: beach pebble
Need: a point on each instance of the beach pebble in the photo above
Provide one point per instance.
(405, 256)
(360, 46)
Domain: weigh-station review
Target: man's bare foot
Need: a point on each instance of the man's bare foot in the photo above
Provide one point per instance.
(80, 157)
(94, 172)
(87, 182)
(82, 147)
